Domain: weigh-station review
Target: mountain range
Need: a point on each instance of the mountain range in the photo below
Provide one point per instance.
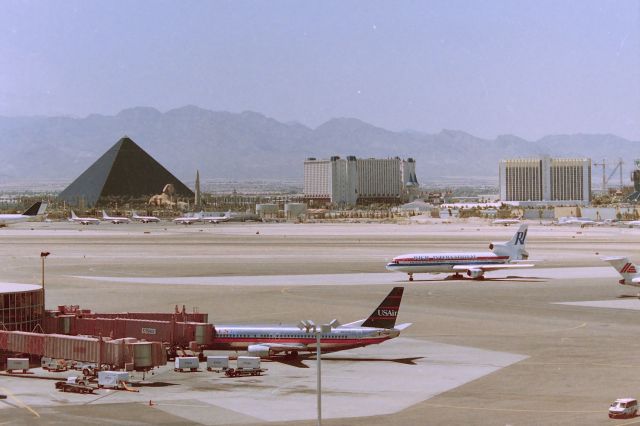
(249, 145)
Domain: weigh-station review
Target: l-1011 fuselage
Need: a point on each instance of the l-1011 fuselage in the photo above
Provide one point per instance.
(442, 262)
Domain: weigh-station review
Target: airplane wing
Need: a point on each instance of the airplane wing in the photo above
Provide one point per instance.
(281, 347)
(493, 267)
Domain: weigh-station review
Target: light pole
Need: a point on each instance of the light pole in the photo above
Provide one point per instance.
(310, 327)
(43, 256)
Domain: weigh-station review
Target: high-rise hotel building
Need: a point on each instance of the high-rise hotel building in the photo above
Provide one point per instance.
(546, 179)
(354, 180)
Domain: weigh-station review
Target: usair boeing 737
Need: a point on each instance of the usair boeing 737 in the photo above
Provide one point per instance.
(269, 340)
(502, 256)
(31, 213)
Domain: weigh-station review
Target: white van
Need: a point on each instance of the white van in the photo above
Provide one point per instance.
(623, 407)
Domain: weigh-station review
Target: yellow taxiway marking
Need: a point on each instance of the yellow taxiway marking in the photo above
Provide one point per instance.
(22, 404)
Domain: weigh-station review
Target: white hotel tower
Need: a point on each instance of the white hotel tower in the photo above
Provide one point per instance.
(546, 180)
(354, 180)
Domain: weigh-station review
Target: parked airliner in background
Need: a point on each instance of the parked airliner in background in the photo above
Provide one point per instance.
(502, 256)
(189, 220)
(84, 220)
(505, 222)
(269, 340)
(114, 219)
(144, 219)
(571, 220)
(218, 219)
(37, 209)
(629, 271)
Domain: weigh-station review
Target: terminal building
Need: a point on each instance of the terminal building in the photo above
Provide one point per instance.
(546, 180)
(21, 306)
(350, 181)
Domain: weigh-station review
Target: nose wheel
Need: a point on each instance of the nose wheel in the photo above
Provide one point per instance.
(410, 277)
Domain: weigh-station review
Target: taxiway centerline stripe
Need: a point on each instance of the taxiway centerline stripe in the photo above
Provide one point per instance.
(22, 404)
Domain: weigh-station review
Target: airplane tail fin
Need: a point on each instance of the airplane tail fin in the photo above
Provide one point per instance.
(385, 315)
(627, 269)
(515, 247)
(34, 209)
(104, 214)
(73, 215)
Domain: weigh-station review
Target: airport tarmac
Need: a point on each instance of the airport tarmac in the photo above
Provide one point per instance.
(506, 350)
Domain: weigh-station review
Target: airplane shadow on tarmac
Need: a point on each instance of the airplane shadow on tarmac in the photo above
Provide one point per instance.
(297, 362)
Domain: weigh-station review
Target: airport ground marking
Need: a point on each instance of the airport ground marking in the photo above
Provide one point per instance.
(630, 423)
(22, 404)
(100, 397)
(557, 330)
(161, 404)
(512, 410)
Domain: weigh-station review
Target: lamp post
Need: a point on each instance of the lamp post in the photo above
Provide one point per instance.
(43, 256)
(310, 327)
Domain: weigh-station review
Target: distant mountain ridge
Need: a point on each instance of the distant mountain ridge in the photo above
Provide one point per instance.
(249, 145)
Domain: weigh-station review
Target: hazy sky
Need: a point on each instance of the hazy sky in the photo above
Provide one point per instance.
(528, 68)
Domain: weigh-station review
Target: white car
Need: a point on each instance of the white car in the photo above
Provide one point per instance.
(623, 407)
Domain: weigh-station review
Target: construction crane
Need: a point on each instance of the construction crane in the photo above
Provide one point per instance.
(605, 178)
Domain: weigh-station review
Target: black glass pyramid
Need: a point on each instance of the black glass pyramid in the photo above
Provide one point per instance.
(124, 172)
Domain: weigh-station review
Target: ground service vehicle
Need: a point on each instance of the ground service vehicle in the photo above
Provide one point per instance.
(237, 372)
(217, 363)
(623, 407)
(75, 384)
(112, 379)
(191, 363)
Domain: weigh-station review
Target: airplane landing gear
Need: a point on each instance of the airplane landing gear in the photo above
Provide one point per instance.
(410, 277)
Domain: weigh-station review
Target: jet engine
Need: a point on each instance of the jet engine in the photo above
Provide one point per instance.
(259, 350)
(475, 273)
